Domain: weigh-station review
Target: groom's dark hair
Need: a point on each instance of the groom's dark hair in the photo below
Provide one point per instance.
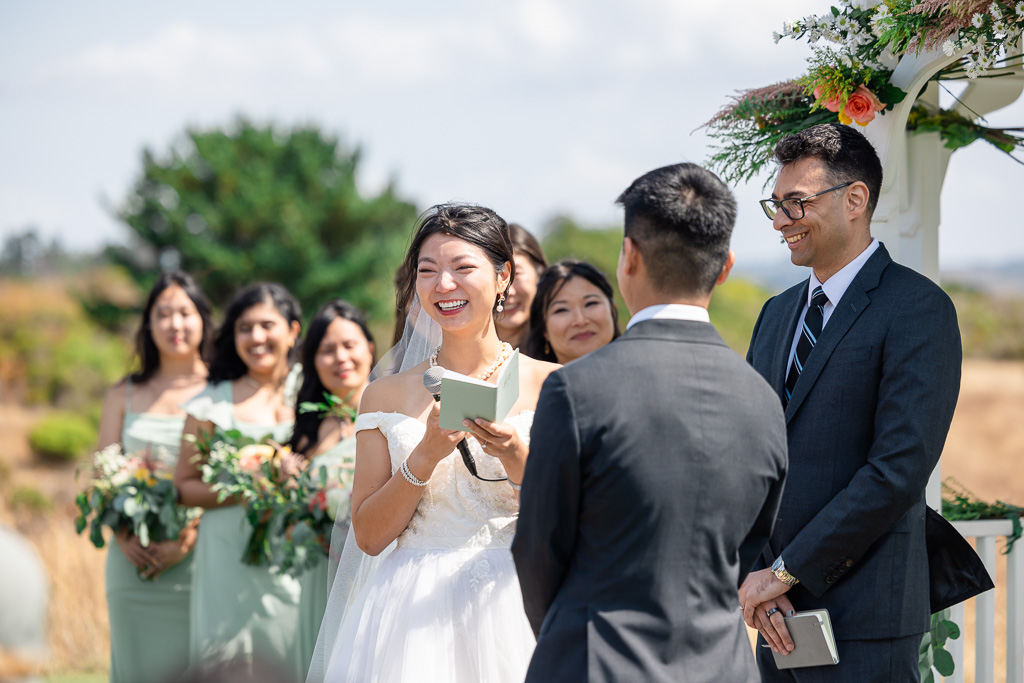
(680, 217)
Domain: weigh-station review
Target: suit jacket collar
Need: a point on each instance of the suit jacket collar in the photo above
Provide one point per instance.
(674, 330)
(849, 308)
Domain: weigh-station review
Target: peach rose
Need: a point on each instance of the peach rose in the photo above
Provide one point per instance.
(833, 104)
(861, 107)
(252, 457)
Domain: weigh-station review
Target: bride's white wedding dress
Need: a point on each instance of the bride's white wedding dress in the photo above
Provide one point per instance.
(445, 605)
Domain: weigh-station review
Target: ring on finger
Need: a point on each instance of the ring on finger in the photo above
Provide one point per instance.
(483, 444)
(772, 611)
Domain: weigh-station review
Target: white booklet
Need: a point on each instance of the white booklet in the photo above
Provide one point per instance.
(464, 397)
(813, 642)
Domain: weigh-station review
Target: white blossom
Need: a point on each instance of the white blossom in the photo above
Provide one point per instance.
(776, 36)
(948, 47)
(790, 27)
(1019, 9)
(994, 10)
(998, 26)
(843, 23)
(978, 20)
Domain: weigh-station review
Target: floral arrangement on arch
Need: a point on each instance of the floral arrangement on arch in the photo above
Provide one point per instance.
(855, 48)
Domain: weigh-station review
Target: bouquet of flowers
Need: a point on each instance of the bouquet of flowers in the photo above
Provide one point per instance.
(250, 472)
(134, 492)
(319, 501)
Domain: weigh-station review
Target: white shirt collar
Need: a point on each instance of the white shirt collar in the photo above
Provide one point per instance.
(837, 285)
(670, 312)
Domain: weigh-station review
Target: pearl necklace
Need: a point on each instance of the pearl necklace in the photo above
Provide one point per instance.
(506, 353)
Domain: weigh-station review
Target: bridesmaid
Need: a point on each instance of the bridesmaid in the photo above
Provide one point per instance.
(338, 354)
(240, 611)
(513, 324)
(573, 313)
(149, 619)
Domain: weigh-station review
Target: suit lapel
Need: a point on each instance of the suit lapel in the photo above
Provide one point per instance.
(853, 303)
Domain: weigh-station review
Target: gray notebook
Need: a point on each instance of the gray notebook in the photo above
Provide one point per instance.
(465, 397)
(813, 642)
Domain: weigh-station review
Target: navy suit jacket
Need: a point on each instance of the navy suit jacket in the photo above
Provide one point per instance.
(655, 470)
(866, 425)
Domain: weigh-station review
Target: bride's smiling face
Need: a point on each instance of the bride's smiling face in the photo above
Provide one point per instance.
(456, 282)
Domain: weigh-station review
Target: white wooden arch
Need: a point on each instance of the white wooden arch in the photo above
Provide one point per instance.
(907, 218)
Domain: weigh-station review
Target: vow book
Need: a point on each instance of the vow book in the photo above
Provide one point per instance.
(813, 642)
(464, 397)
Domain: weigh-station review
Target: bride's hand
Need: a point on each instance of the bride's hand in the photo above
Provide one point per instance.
(498, 439)
(438, 443)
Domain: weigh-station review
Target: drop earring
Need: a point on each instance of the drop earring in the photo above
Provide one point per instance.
(501, 300)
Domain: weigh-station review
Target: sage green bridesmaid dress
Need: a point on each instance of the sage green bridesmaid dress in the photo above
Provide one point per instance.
(313, 601)
(239, 611)
(149, 620)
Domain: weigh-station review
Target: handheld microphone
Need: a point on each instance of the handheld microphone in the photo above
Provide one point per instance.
(432, 383)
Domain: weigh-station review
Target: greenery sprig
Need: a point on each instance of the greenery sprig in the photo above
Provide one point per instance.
(960, 504)
(332, 406)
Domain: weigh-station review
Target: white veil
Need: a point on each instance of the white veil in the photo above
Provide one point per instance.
(349, 568)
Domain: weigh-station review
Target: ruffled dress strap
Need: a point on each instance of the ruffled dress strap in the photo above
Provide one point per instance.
(213, 404)
(366, 421)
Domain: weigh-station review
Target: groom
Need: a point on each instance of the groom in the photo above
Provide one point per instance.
(656, 466)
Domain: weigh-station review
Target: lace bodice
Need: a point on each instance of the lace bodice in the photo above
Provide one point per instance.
(457, 510)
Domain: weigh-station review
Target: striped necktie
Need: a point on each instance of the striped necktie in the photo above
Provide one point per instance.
(812, 325)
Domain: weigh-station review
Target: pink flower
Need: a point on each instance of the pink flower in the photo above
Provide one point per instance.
(861, 107)
(832, 105)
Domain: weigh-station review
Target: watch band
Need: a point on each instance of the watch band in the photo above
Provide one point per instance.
(779, 569)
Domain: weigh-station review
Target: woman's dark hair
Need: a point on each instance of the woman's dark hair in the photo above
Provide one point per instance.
(525, 243)
(226, 364)
(307, 425)
(477, 225)
(550, 284)
(145, 347)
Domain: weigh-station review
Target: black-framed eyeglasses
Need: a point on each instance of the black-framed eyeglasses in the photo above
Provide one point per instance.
(793, 207)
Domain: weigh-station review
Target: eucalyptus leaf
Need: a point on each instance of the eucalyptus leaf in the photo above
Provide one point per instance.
(944, 662)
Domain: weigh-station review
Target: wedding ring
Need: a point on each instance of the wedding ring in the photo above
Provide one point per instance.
(483, 444)
(772, 611)
(741, 608)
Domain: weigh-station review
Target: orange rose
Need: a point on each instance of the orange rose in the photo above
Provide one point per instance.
(861, 107)
(832, 105)
(252, 457)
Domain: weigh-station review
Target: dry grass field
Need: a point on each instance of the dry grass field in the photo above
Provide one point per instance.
(984, 449)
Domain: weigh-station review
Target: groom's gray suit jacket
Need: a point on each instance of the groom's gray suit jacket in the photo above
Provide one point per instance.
(655, 471)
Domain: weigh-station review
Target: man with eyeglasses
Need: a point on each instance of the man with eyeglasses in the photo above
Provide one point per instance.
(865, 356)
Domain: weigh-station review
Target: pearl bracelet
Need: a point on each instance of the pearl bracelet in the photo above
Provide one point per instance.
(409, 476)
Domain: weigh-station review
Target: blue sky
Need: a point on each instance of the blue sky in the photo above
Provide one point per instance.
(533, 107)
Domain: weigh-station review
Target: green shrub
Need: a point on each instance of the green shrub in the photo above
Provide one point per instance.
(63, 436)
(30, 499)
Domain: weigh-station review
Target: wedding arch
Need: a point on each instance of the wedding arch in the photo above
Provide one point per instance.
(882, 66)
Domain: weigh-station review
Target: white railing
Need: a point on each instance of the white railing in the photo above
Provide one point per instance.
(985, 533)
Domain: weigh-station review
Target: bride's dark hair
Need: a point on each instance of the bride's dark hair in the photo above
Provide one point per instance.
(477, 225)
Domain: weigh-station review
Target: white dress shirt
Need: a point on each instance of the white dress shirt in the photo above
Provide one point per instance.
(670, 312)
(834, 288)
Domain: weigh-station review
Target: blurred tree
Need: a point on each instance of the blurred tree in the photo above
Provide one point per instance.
(25, 254)
(247, 203)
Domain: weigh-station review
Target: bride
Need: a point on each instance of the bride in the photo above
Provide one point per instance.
(445, 604)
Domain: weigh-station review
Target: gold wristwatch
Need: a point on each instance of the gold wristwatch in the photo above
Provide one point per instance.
(779, 569)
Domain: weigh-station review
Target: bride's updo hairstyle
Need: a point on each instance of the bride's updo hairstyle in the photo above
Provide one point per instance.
(477, 225)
